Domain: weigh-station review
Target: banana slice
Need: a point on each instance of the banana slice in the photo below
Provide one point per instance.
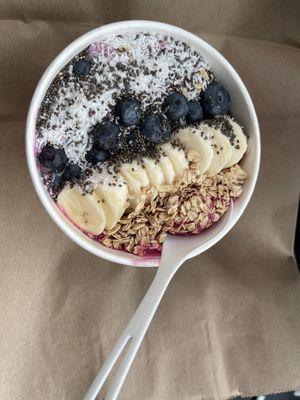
(85, 211)
(220, 145)
(177, 158)
(168, 170)
(192, 140)
(239, 144)
(154, 171)
(113, 195)
(135, 176)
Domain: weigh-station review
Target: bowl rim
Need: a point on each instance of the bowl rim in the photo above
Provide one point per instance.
(62, 58)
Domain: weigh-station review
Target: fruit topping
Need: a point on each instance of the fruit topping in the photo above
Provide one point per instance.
(192, 140)
(195, 113)
(85, 211)
(129, 111)
(96, 155)
(106, 135)
(176, 106)
(156, 128)
(52, 158)
(82, 67)
(71, 171)
(215, 100)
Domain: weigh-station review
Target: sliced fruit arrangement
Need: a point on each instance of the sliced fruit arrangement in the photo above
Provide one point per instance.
(221, 148)
(85, 211)
(217, 149)
(192, 139)
(156, 148)
(101, 209)
(155, 172)
(135, 176)
(113, 195)
(238, 144)
(177, 157)
(167, 168)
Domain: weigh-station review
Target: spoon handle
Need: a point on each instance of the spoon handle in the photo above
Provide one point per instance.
(133, 333)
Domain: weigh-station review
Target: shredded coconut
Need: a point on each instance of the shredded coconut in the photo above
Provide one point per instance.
(145, 66)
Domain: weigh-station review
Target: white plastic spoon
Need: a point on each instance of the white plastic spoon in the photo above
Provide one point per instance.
(176, 250)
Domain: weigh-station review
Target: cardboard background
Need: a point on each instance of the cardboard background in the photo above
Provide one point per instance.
(229, 323)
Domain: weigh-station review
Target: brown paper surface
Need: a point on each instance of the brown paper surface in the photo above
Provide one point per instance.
(229, 323)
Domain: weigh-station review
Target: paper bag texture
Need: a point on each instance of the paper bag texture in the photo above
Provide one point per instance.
(229, 323)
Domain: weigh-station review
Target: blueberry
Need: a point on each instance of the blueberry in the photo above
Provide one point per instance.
(129, 111)
(82, 67)
(195, 112)
(95, 155)
(54, 159)
(215, 100)
(176, 106)
(71, 171)
(106, 135)
(156, 128)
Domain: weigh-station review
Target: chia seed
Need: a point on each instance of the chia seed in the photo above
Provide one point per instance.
(145, 66)
(222, 122)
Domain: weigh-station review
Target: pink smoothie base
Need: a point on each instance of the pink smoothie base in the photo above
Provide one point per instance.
(103, 49)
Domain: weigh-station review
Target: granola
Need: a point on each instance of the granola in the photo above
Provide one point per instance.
(188, 206)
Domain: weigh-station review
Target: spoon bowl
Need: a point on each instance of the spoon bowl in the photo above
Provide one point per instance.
(242, 108)
(176, 249)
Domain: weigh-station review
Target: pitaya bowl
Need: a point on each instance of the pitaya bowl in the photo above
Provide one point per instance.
(241, 106)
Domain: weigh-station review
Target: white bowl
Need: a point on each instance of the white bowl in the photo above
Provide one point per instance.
(242, 109)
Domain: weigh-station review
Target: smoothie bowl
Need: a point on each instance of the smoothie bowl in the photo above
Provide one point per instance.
(137, 130)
